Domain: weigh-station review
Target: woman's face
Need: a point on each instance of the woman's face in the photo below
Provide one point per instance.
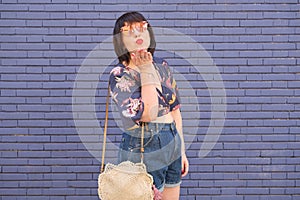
(136, 36)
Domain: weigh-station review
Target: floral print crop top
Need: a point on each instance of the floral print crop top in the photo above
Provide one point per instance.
(125, 87)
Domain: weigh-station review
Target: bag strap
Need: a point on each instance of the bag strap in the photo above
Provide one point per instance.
(142, 143)
(105, 133)
(105, 129)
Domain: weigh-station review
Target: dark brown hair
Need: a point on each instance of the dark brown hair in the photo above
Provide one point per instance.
(120, 49)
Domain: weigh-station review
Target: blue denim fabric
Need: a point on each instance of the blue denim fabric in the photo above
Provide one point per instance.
(162, 155)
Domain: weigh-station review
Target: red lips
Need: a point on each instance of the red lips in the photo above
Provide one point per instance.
(139, 41)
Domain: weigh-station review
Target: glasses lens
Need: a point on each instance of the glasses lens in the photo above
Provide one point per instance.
(129, 30)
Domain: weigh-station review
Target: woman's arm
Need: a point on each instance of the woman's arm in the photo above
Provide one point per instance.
(178, 120)
(149, 83)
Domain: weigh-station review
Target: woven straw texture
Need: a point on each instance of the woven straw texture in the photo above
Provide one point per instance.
(126, 181)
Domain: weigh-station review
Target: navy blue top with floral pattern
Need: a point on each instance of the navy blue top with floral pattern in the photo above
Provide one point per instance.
(125, 87)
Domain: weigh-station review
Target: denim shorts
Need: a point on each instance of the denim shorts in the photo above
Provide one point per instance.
(162, 155)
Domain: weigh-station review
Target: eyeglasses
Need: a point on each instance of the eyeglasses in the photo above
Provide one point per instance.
(131, 29)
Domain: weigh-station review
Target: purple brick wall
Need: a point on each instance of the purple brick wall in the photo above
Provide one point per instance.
(255, 45)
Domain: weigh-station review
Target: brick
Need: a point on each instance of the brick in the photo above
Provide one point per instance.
(7, 30)
(60, 7)
(85, 2)
(292, 190)
(279, 46)
(276, 153)
(256, 84)
(12, 192)
(58, 146)
(12, 38)
(34, 154)
(279, 183)
(59, 38)
(279, 168)
(15, 23)
(204, 191)
(59, 191)
(31, 31)
(59, 23)
(279, 84)
(254, 161)
(278, 1)
(229, 168)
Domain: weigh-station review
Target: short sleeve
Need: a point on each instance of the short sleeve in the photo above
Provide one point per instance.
(126, 93)
(170, 83)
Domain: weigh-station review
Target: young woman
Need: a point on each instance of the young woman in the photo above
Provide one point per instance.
(145, 92)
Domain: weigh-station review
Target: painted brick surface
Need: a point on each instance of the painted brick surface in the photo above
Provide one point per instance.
(254, 44)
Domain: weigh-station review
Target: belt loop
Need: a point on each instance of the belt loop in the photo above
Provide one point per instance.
(172, 126)
(147, 126)
(156, 127)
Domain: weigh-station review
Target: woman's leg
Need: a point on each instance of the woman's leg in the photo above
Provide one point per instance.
(171, 193)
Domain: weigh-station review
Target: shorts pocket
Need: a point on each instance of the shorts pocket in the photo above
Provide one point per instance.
(129, 149)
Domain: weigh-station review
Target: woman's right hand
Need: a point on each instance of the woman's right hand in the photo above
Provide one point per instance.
(141, 58)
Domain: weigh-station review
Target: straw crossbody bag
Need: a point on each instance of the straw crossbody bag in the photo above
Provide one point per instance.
(127, 180)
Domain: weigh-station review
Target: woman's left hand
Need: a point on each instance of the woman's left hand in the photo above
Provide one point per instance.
(185, 165)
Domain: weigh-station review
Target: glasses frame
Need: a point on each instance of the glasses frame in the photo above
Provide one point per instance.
(139, 27)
